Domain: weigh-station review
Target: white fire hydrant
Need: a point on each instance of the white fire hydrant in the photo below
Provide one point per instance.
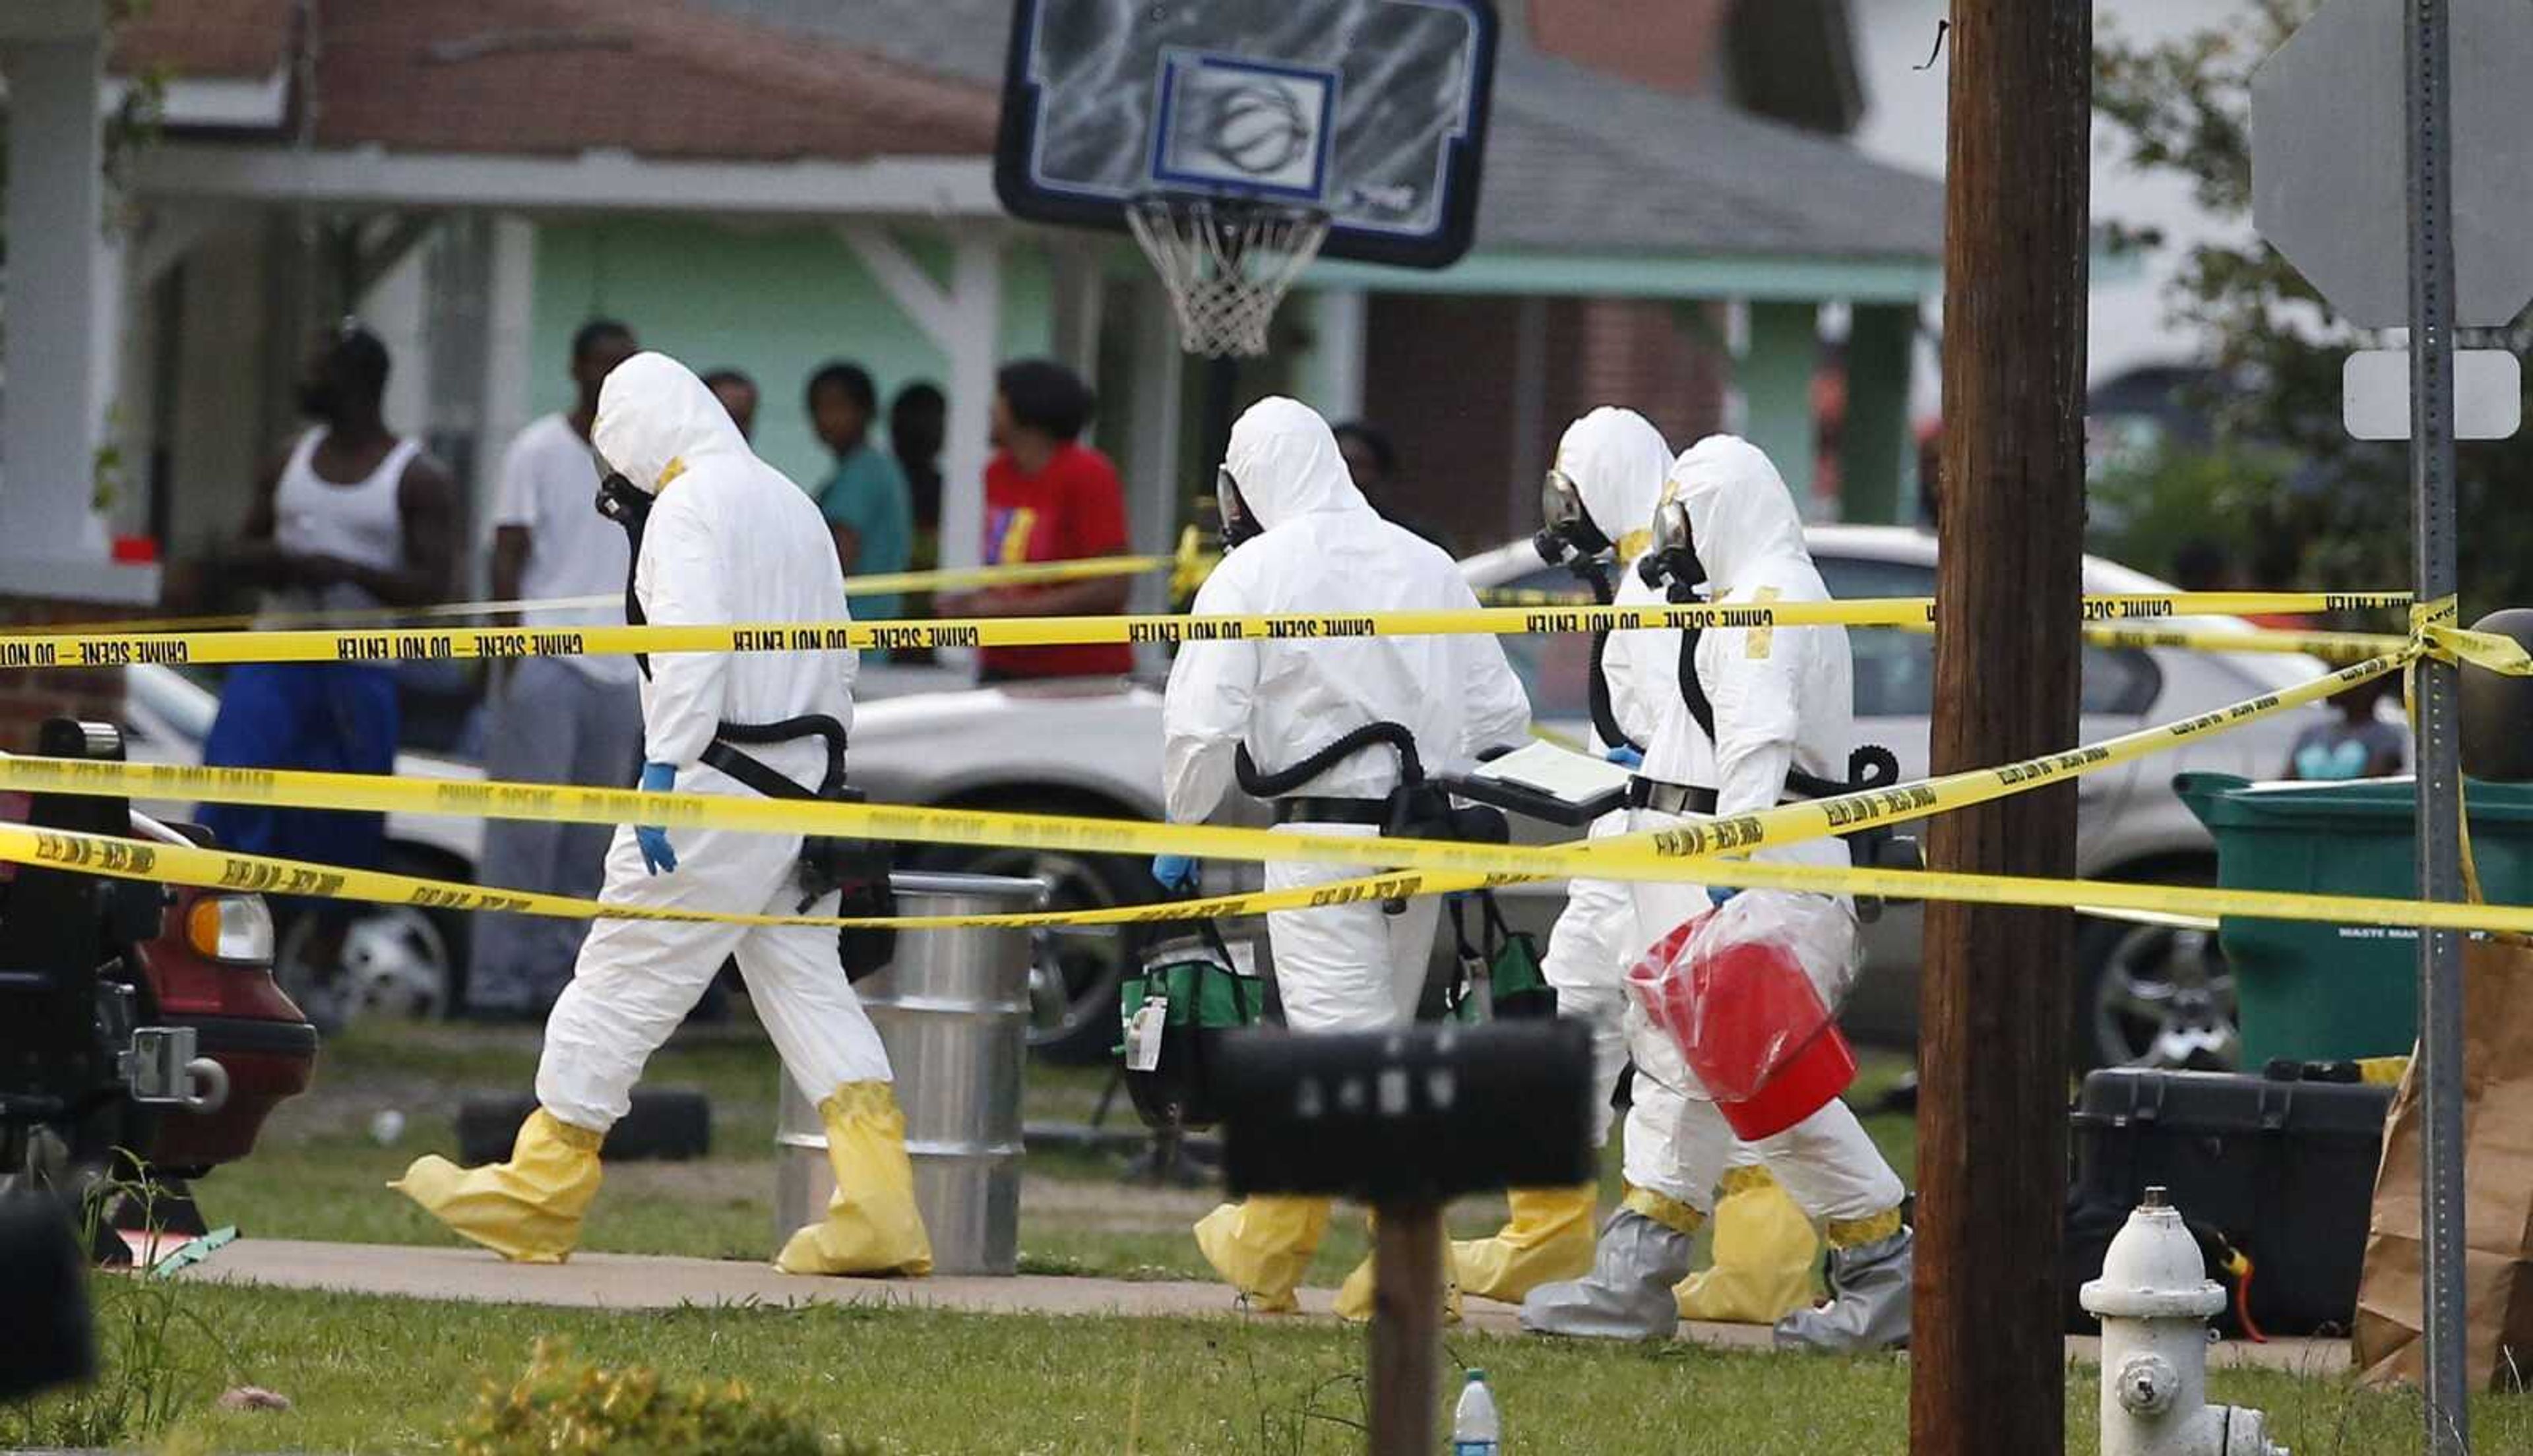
(2154, 1299)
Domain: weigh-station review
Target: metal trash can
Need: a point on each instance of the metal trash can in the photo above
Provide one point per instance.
(953, 1010)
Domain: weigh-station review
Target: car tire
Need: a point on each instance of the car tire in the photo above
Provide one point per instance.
(2153, 994)
(1074, 981)
(404, 961)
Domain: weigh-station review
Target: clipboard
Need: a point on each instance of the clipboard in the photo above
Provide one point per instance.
(1542, 780)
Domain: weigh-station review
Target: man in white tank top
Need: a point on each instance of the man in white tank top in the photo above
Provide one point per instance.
(561, 720)
(352, 517)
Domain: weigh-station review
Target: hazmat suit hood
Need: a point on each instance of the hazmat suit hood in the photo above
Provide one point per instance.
(1286, 464)
(1740, 516)
(656, 421)
(1618, 461)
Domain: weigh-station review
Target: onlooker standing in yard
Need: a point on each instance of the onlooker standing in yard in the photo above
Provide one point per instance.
(2354, 742)
(1371, 461)
(864, 499)
(738, 394)
(353, 518)
(1047, 499)
(917, 423)
(563, 719)
(917, 420)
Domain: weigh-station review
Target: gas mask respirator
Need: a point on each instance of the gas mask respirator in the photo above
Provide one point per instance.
(1238, 524)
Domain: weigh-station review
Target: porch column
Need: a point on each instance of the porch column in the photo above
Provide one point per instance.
(63, 289)
(1775, 374)
(965, 320)
(1156, 489)
(1332, 379)
(1876, 454)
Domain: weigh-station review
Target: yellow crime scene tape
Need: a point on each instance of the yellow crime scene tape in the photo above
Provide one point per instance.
(59, 650)
(1652, 855)
(216, 869)
(1031, 573)
(1436, 866)
(1423, 866)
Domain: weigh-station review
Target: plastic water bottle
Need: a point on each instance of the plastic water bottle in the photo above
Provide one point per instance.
(1475, 1429)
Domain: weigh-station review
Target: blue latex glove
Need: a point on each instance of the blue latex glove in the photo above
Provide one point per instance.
(656, 857)
(1625, 757)
(1175, 871)
(1718, 894)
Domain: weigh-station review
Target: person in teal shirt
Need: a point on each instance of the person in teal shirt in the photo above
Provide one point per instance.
(864, 499)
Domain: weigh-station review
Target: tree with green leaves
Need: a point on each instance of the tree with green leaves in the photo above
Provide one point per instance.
(2282, 475)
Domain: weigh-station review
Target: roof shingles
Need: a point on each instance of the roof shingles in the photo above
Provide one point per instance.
(657, 78)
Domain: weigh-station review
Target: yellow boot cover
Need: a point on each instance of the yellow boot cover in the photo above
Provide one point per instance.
(1548, 1239)
(1261, 1246)
(526, 1209)
(1354, 1297)
(1765, 1256)
(872, 1226)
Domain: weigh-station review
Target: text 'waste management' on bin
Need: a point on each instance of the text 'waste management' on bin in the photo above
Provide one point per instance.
(2319, 993)
(953, 1009)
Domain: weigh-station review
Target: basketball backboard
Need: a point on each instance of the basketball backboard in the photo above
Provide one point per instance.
(1372, 111)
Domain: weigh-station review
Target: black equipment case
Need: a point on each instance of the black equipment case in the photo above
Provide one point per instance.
(2281, 1167)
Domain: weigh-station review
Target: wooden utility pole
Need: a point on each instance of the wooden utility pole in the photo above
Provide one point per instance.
(1407, 1334)
(1988, 1373)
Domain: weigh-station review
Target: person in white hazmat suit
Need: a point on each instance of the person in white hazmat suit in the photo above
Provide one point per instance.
(1599, 501)
(1304, 541)
(1781, 699)
(726, 539)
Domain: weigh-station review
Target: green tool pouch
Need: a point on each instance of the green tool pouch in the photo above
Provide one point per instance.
(1500, 979)
(1177, 1007)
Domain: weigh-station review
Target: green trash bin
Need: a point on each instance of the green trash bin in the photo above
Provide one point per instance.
(2318, 992)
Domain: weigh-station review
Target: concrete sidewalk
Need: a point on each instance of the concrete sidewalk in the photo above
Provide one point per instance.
(623, 1281)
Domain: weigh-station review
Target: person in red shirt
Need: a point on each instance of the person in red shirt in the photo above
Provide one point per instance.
(1047, 499)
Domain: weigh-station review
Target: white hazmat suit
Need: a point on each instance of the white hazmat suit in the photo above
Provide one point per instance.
(728, 539)
(1764, 1250)
(1322, 548)
(1783, 698)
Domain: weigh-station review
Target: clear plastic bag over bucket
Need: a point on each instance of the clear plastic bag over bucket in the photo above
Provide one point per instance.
(1735, 990)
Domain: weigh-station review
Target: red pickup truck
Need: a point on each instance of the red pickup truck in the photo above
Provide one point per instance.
(134, 1015)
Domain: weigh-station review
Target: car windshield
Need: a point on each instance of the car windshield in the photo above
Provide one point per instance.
(1555, 667)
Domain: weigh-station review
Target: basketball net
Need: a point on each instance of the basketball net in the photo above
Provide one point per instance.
(1227, 264)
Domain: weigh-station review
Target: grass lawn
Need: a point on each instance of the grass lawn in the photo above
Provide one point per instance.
(369, 1373)
(318, 1173)
(374, 1375)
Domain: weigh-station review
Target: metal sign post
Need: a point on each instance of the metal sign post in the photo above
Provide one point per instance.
(2334, 170)
(2429, 108)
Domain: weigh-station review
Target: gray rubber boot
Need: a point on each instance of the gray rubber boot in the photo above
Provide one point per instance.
(1628, 1295)
(1868, 1305)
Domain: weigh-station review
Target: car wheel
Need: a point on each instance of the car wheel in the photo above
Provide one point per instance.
(2153, 994)
(397, 961)
(1076, 972)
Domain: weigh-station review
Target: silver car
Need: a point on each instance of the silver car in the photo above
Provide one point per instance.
(2146, 993)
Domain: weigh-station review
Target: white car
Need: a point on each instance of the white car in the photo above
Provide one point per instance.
(1092, 747)
(399, 958)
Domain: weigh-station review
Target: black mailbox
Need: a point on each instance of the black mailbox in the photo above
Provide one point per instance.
(1416, 1115)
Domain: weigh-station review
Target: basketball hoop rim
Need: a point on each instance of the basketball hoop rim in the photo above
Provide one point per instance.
(1233, 206)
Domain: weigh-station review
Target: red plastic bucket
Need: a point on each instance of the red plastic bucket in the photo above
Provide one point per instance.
(1732, 1011)
(1800, 1087)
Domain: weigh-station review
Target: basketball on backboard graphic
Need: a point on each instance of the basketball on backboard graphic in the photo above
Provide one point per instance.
(1250, 126)
(1259, 127)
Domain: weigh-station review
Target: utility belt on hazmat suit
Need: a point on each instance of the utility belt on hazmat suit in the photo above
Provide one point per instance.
(1414, 810)
(857, 870)
(1876, 846)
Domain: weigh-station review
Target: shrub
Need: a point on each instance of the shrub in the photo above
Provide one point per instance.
(564, 1405)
